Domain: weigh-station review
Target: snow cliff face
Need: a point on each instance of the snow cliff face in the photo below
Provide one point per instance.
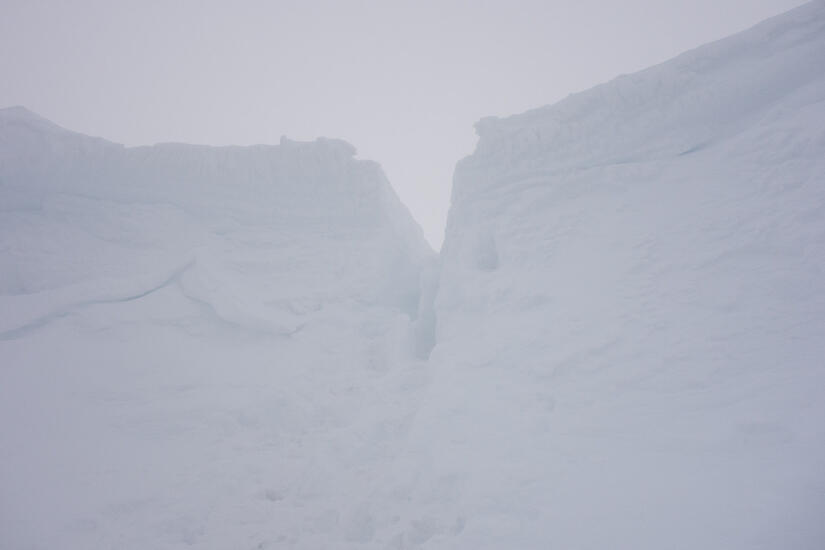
(197, 343)
(293, 205)
(631, 309)
(225, 347)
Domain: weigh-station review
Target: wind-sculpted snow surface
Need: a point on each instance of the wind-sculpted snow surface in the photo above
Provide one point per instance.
(631, 312)
(199, 347)
(220, 348)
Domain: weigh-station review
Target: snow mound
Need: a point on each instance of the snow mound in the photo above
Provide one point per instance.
(197, 343)
(630, 314)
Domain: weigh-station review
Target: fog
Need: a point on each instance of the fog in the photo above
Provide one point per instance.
(402, 81)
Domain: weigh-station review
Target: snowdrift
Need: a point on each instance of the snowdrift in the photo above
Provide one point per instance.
(630, 312)
(200, 346)
(620, 345)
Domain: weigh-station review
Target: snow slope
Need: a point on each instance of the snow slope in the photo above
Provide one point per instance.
(199, 345)
(221, 348)
(631, 312)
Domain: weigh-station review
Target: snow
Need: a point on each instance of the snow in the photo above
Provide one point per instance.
(619, 346)
(200, 346)
(632, 303)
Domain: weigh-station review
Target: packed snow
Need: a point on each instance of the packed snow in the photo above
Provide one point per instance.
(202, 347)
(632, 301)
(619, 346)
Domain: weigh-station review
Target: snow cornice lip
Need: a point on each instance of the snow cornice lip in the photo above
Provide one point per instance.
(21, 115)
(810, 13)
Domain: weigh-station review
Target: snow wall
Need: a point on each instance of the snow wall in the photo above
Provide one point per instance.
(631, 311)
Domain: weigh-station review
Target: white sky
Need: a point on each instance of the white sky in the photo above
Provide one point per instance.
(402, 81)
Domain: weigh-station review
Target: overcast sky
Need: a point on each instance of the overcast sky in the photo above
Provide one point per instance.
(402, 81)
